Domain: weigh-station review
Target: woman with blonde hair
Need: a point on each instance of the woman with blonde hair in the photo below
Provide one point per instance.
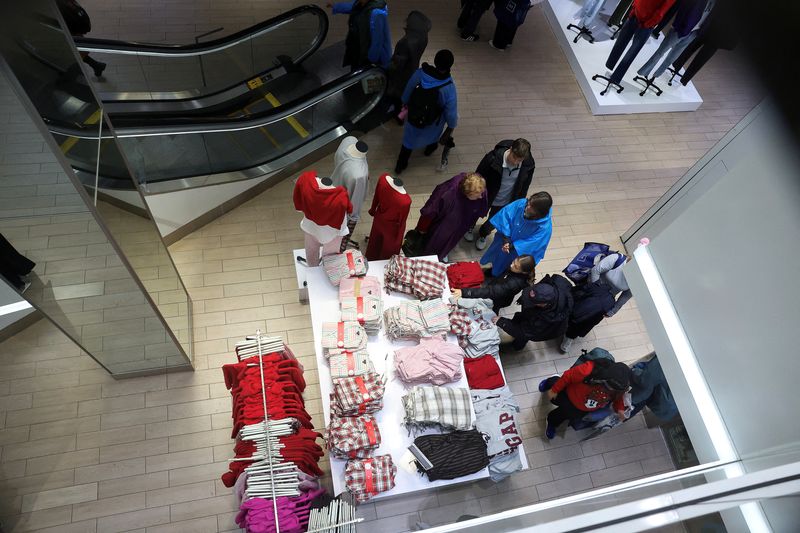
(453, 208)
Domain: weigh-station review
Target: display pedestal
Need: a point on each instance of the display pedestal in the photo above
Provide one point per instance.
(588, 59)
(324, 303)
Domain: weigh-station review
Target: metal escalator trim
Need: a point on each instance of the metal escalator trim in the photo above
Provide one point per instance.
(111, 46)
(267, 169)
(296, 126)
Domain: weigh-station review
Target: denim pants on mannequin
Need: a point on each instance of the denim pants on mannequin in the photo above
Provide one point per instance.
(633, 33)
(589, 11)
(671, 47)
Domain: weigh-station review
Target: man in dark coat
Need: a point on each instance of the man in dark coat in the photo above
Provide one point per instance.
(508, 171)
(407, 55)
(368, 40)
(546, 307)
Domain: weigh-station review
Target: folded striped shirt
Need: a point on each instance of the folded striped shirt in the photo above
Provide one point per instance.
(366, 286)
(346, 335)
(449, 407)
(340, 266)
(350, 364)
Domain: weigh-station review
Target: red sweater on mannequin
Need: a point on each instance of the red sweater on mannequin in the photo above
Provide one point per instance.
(390, 210)
(324, 207)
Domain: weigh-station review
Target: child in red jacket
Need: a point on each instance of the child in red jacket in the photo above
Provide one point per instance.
(585, 388)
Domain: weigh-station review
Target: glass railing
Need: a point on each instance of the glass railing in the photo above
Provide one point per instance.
(149, 71)
(231, 149)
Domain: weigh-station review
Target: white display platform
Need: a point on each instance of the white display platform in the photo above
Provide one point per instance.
(588, 59)
(324, 302)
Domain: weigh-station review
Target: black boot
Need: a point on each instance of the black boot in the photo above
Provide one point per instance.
(97, 66)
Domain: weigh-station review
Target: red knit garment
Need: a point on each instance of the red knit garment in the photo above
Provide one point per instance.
(464, 274)
(390, 210)
(324, 207)
(483, 373)
(650, 12)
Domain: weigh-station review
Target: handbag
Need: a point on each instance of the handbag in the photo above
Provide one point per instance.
(414, 243)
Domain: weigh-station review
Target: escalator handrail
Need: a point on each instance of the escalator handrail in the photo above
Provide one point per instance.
(88, 44)
(200, 125)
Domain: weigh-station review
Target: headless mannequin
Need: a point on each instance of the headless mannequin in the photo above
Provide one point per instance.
(397, 184)
(356, 150)
(390, 208)
(312, 242)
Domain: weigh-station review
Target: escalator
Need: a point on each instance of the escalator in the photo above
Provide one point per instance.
(240, 107)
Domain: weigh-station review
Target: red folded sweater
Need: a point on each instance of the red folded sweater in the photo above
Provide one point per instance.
(324, 207)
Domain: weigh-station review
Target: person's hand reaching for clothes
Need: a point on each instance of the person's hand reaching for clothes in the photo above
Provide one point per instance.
(455, 293)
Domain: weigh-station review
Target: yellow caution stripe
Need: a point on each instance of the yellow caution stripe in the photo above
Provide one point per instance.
(301, 131)
(67, 145)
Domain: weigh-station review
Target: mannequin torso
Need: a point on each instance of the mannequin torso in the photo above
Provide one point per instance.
(398, 188)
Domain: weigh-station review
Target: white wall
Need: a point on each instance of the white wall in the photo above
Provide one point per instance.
(726, 247)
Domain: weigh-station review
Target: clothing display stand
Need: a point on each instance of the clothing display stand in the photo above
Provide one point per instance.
(339, 516)
(648, 83)
(610, 83)
(582, 30)
(675, 72)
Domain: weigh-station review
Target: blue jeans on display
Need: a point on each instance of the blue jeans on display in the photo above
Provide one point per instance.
(589, 11)
(671, 47)
(633, 33)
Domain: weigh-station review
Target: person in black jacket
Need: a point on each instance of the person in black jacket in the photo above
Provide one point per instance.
(546, 307)
(591, 303)
(501, 290)
(508, 171)
(405, 60)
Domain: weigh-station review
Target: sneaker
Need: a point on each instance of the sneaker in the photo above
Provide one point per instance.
(469, 236)
(547, 383)
(442, 165)
(445, 259)
(493, 46)
(566, 343)
(480, 244)
(550, 432)
(471, 38)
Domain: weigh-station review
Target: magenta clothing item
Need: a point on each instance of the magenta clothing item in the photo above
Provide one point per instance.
(257, 515)
(433, 361)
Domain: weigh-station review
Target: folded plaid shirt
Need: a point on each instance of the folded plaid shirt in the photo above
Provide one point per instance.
(366, 477)
(350, 364)
(353, 437)
(449, 407)
(366, 310)
(424, 279)
(354, 396)
(366, 286)
(348, 264)
(345, 335)
(416, 319)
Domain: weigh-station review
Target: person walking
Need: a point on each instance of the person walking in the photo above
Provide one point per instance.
(453, 207)
(523, 227)
(510, 16)
(471, 13)
(405, 60)
(502, 290)
(545, 312)
(432, 102)
(508, 171)
(79, 24)
(368, 40)
(598, 299)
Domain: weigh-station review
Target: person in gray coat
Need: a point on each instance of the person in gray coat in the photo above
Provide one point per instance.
(405, 60)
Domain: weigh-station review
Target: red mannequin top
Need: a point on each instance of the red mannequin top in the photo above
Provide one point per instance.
(650, 12)
(324, 207)
(390, 209)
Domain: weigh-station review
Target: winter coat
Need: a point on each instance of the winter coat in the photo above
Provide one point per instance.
(407, 53)
(368, 39)
(500, 291)
(527, 236)
(448, 214)
(542, 323)
(590, 300)
(428, 76)
(491, 168)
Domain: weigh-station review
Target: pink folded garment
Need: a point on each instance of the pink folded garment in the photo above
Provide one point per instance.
(355, 287)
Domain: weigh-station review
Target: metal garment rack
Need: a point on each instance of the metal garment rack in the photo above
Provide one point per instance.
(336, 517)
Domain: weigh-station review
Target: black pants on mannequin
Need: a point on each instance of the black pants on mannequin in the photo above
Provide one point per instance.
(704, 52)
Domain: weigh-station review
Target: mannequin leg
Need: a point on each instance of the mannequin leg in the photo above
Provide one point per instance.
(640, 37)
(676, 52)
(693, 47)
(666, 46)
(331, 247)
(697, 63)
(312, 250)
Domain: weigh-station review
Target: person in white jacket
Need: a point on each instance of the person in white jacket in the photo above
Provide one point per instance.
(351, 171)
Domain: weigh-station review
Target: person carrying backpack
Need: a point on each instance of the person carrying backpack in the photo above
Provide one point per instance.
(432, 102)
(585, 388)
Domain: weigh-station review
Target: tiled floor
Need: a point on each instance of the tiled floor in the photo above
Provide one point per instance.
(84, 453)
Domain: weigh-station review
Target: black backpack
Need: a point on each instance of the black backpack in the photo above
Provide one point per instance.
(423, 105)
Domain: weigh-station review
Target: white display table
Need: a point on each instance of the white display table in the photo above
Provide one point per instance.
(324, 302)
(588, 59)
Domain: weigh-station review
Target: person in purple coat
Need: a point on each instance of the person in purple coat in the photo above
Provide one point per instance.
(453, 207)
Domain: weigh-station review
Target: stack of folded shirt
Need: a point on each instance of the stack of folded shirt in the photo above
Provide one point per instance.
(366, 310)
(471, 322)
(433, 361)
(348, 364)
(464, 275)
(483, 373)
(411, 320)
(448, 407)
(344, 336)
(345, 265)
(357, 395)
(353, 437)
(257, 515)
(366, 286)
(365, 478)
(494, 412)
(424, 279)
(450, 455)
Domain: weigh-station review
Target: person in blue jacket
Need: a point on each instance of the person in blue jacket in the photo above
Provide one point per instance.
(368, 40)
(428, 77)
(523, 227)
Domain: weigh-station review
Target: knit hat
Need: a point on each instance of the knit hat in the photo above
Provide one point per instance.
(443, 60)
